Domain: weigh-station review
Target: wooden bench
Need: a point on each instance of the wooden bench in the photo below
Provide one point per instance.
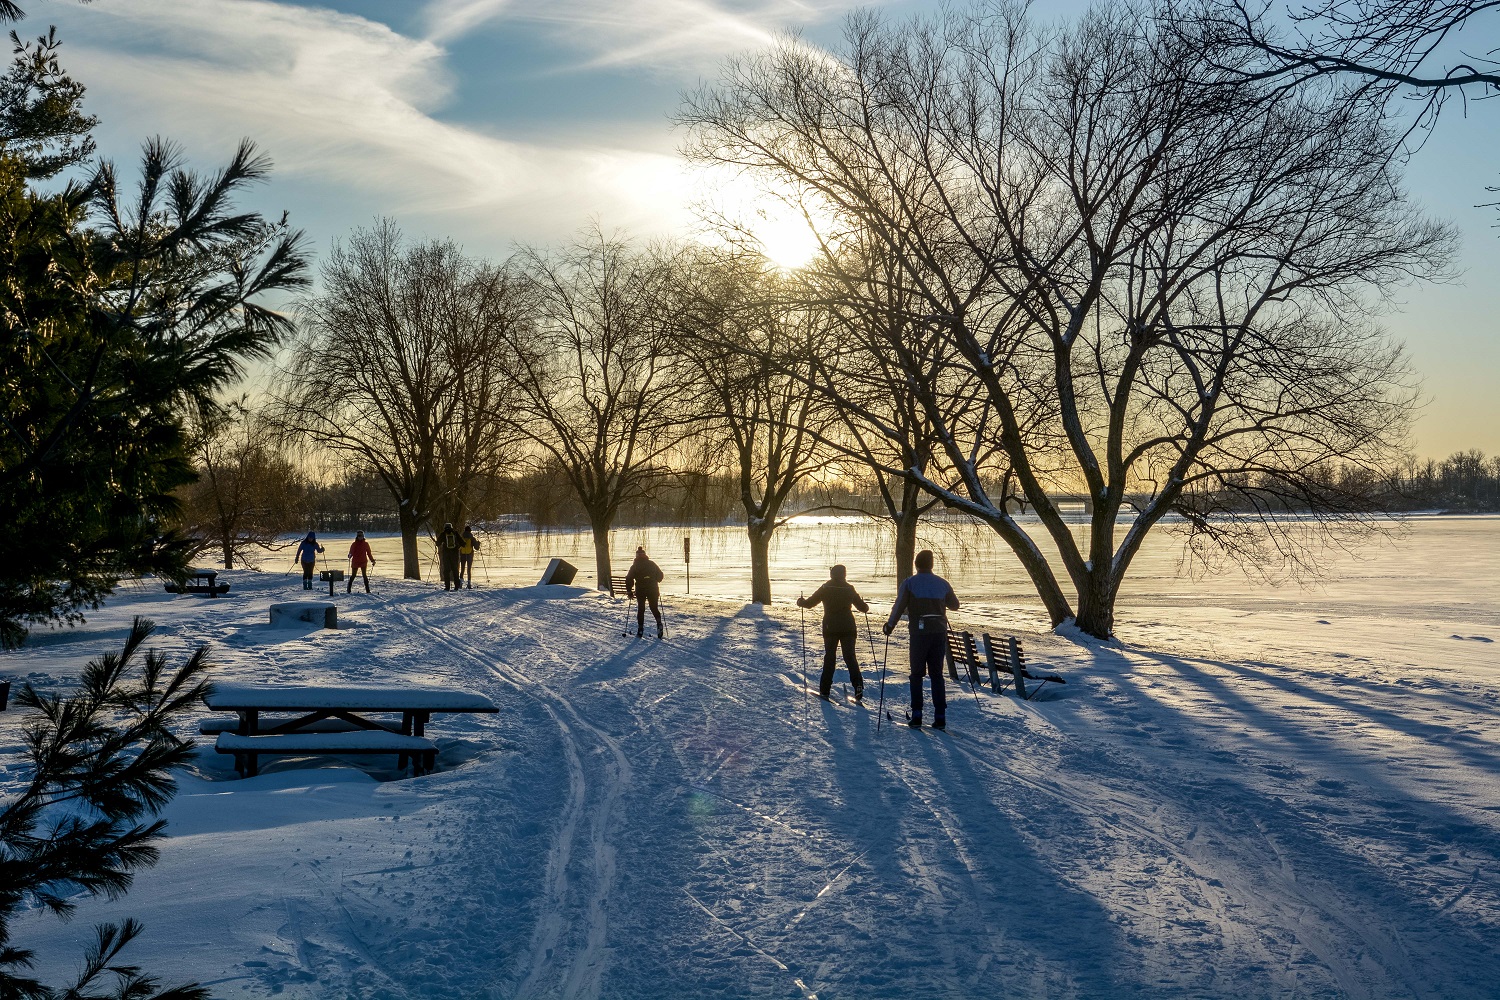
(618, 587)
(248, 750)
(962, 651)
(1004, 659)
(1009, 650)
(203, 582)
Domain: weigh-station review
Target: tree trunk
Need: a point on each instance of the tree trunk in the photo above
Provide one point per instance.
(760, 531)
(1035, 564)
(1096, 603)
(600, 528)
(411, 559)
(906, 530)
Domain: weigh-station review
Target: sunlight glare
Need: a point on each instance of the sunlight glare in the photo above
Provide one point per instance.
(785, 237)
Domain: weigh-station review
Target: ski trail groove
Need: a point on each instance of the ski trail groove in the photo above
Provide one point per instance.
(581, 978)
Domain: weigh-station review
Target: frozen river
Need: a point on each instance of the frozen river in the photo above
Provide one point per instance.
(1433, 565)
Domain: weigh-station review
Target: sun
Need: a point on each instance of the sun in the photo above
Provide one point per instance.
(783, 224)
(785, 236)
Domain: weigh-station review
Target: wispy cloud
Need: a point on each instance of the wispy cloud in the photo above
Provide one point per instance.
(348, 102)
(665, 35)
(450, 19)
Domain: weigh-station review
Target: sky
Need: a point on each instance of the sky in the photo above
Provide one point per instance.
(502, 122)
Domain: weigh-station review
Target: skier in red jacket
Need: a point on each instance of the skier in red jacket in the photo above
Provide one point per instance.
(360, 556)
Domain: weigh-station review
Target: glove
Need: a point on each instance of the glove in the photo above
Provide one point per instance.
(887, 628)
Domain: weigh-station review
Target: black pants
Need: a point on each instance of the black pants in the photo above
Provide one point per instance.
(448, 568)
(358, 571)
(307, 572)
(466, 568)
(928, 655)
(640, 611)
(831, 643)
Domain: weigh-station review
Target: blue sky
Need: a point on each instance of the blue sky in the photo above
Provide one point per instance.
(504, 121)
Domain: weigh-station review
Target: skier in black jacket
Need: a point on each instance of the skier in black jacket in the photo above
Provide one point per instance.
(838, 599)
(643, 582)
(448, 543)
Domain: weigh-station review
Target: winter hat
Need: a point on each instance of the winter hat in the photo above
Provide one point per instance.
(359, 534)
(447, 525)
(640, 552)
(838, 573)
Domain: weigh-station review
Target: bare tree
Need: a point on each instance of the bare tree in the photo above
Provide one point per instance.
(400, 367)
(246, 494)
(1378, 49)
(752, 352)
(1182, 270)
(596, 378)
(1384, 47)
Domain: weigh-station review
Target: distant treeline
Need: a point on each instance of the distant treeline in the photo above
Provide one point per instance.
(359, 502)
(1464, 482)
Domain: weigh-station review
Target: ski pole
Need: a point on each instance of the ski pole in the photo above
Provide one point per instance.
(804, 659)
(880, 712)
(870, 638)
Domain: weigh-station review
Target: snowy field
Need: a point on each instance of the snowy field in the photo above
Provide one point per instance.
(1255, 792)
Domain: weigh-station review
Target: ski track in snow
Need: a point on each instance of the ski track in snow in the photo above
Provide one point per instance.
(676, 818)
(546, 976)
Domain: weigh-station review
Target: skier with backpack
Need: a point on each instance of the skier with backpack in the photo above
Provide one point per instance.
(926, 599)
(307, 555)
(448, 543)
(838, 599)
(643, 582)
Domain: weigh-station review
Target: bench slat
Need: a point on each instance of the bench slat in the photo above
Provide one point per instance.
(364, 741)
(211, 727)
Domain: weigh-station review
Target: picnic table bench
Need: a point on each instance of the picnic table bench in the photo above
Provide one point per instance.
(314, 720)
(199, 581)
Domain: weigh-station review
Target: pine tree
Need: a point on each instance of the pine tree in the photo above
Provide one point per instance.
(99, 771)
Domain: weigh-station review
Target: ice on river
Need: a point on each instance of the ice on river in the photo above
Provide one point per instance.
(1254, 792)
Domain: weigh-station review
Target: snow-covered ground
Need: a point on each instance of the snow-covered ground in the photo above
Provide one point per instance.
(1254, 793)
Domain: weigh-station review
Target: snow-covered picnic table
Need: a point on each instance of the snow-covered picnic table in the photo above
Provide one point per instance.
(328, 719)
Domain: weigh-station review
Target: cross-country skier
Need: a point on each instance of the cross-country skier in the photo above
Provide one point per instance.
(643, 582)
(359, 556)
(467, 546)
(448, 542)
(926, 598)
(838, 599)
(307, 555)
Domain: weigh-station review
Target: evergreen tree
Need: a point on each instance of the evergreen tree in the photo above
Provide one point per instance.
(98, 770)
(118, 322)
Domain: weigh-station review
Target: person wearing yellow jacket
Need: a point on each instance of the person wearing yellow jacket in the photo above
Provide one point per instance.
(467, 546)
